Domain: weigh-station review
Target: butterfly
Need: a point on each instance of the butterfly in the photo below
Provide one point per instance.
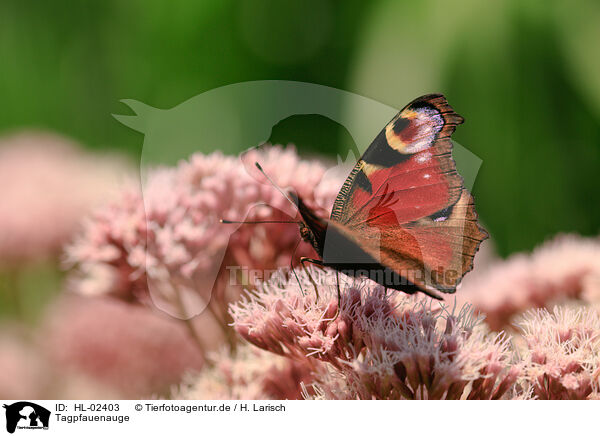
(403, 217)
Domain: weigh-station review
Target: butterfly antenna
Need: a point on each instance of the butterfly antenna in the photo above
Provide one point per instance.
(275, 186)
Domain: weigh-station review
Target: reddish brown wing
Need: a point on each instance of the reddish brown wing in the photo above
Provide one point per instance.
(405, 203)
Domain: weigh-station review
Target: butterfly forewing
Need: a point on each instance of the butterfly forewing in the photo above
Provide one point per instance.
(404, 202)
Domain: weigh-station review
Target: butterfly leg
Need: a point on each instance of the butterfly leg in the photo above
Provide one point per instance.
(317, 262)
(313, 261)
(339, 295)
(337, 279)
(294, 269)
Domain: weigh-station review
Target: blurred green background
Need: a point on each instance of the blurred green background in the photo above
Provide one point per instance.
(525, 75)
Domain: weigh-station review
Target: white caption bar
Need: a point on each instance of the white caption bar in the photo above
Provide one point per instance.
(295, 417)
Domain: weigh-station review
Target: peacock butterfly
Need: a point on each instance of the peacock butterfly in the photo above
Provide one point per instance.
(403, 217)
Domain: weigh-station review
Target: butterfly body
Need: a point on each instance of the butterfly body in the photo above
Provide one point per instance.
(340, 251)
(403, 217)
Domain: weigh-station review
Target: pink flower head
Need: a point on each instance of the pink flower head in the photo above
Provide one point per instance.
(287, 318)
(128, 348)
(562, 352)
(249, 374)
(170, 240)
(564, 268)
(47, 184)
(21, 369)
(380, 345)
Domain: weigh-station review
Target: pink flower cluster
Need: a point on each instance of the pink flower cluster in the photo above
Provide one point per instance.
(380, 345)
(96, 348)
(567, 267)
(47, 185)
(129, 350)
(562, 352)
(21, 371)
(247, 374)
(167, 243)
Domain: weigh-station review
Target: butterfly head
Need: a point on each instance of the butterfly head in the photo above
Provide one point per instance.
(312, 226)
(306, 234)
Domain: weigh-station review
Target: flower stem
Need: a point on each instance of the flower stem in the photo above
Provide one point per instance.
(189, 324)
